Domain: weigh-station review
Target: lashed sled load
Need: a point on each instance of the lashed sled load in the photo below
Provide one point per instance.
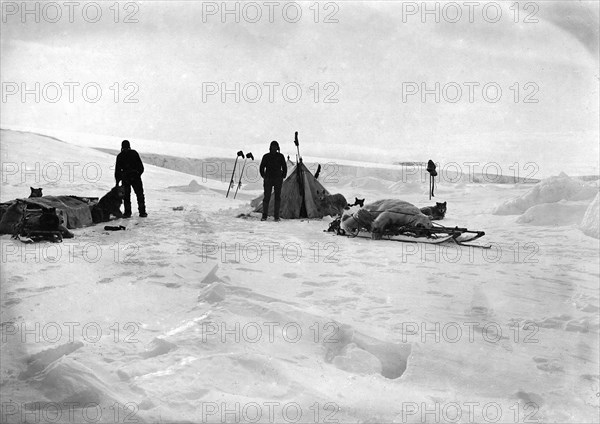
(49, 217)
(383, 214)
(401, 221)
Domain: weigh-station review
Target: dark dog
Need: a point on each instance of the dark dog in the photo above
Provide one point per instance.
(358, 202)
(48, 220)
(109, 204)
(36, 192)
(435, 212)
(39, 223)
(11, 217)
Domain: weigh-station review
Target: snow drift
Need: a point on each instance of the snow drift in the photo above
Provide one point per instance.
(370, 184)
(560, 213)
(549, 190)
(589, 224)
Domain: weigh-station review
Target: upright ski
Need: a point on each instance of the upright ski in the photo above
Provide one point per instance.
(298, 157)
(248, 155)
(231, 183)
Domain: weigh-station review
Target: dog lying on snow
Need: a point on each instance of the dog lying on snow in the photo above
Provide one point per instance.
(382, 214)
(332, 204)
(435, 212)
(48, 219)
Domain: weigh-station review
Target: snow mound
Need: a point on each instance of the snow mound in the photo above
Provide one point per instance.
(549, 190)
(40, 361)
(589, 224)
(192, 187)
(370, 183)
(158, 347)
(556, 214)
(408, 187)
(68, 380)
(252, 185)
(358, 353)
(61, 378)
(356, 360)
(214, 293)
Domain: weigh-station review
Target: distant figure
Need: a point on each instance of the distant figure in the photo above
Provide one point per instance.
(288, 159)
(273, 169)
(36, 192)
(129, 170)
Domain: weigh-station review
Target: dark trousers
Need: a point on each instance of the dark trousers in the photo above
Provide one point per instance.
(270, 184)
(138, 188)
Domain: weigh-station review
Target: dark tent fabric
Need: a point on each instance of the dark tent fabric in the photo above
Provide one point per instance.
(76, 211)
(298, 196)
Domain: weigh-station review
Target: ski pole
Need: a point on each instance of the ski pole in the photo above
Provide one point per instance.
(248, 155)
(231, 183)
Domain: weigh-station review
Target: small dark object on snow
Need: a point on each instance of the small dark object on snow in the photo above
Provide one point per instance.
(334, 227)
(178, 208)
(358, 202)
(114, 227)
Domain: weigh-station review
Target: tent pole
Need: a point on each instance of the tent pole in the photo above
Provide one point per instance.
(430, 177)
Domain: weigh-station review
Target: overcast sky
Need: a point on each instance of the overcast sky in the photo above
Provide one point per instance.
(371, 57)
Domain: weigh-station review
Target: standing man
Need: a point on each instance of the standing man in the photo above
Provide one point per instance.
(129, 169)
(273, 169)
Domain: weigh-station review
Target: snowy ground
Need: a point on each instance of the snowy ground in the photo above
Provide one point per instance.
(199, 316)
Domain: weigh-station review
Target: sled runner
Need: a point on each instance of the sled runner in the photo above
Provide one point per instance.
(435, 235)
(405, 238)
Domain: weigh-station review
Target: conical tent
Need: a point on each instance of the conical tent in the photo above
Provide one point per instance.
(298, 196)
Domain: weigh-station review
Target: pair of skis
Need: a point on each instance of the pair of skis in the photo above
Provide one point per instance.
(249, 155)
(232, 183)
